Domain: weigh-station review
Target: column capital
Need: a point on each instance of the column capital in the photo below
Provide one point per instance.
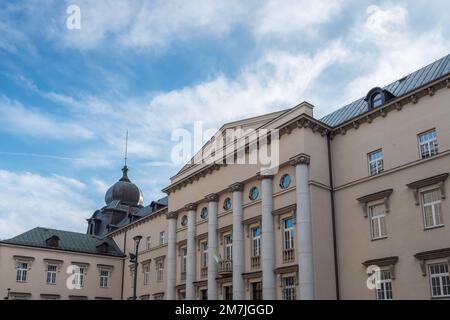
(302, 158)
(264, 175)
(172, 215)
(190, 206)
(238, 186)
(212, 197)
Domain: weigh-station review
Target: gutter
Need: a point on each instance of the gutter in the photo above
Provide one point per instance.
(333, 219)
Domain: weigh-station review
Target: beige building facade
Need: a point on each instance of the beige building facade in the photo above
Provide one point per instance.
(356, 207)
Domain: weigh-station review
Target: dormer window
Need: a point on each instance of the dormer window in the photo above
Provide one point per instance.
(53, 241)
(377, 97)
(103, 247)
(377, 100)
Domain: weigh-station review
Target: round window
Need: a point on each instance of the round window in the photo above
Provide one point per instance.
(204, 213)
(184, 220)
(285, 181)
(254, 193)
(227, 204)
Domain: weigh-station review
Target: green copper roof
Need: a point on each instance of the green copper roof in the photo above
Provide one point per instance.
(398, 88)
(68, 241)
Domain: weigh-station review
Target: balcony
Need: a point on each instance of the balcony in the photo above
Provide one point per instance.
(225, 267)
(288, 255)
(204, 272)
(255, 262)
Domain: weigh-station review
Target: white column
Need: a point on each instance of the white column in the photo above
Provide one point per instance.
(267, 239)
(304, 226)
(191, 256)
(238, 242)
(171, 255)
(212, 245)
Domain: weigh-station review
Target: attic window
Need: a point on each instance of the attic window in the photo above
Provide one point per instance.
(377, 100)
(377, 97)
(103, 248)
(53, 241)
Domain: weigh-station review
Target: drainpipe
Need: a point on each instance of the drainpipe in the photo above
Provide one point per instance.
(123, 263)
(333, 218)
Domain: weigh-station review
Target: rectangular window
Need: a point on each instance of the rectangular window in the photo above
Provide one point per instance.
(159, 271)
(183, 260)
(78, 280)
(288, 240)
(204, 254)
(385, 286)
(377, 216)
(428, 145)
(431, 208)
(22, 270)
(439, 280)
(228, 249)
(256, 241)
(228, 292)
(162, 237)
(104, 277)
(148, 243)
(375, 160)
(146, 274)
(51, 274)
(257, 291)
(288, 286)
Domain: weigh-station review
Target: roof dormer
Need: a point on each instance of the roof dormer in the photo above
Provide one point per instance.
(377, 97)
(53, 241)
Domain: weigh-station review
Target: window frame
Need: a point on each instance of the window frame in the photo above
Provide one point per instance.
(433, 205)
(288, 289)
(21, 272)
(228, 247)
(378, 170)
(288, 230)
(204, 254)
(104, 279)
(51, 274)
(370, 208)
(162, 238)
(386, 291)
(146, 268)
(439, 276)
(256, 242)
(148, 242)
(428, 143)
(159, 271)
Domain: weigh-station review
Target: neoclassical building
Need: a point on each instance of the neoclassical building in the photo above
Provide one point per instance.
(357, 195)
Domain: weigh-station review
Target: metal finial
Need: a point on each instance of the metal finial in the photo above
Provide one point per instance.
(126, 149)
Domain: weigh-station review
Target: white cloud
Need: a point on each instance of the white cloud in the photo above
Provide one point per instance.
(16, 118)
(28, 200)
(387, 47)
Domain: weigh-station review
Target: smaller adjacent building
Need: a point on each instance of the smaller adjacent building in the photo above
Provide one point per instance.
(54, 264)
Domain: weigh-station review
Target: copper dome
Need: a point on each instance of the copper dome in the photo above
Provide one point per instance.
(124, 191)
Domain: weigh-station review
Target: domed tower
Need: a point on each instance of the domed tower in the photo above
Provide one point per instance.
(122, 199)
(124, 191)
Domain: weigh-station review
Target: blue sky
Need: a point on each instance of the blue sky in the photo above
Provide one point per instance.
(67, 97)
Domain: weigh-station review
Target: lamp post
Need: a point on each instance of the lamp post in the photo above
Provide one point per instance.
(134, 259)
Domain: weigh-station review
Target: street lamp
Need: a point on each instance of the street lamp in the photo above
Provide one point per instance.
(134, 259)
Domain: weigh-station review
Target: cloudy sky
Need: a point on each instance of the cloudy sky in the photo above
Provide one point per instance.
(67, 97)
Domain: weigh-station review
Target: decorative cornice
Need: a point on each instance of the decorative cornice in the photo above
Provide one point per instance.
(397, 103)
(381, 262)
(381, 195)
(302, 158)
(212, 197)
(190, 207)
(264, 175)
(431, 255)
(388, 262)
(238, 186)
(438, 180)
(172, 215)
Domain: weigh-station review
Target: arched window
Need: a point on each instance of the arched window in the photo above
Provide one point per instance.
(377, 100)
